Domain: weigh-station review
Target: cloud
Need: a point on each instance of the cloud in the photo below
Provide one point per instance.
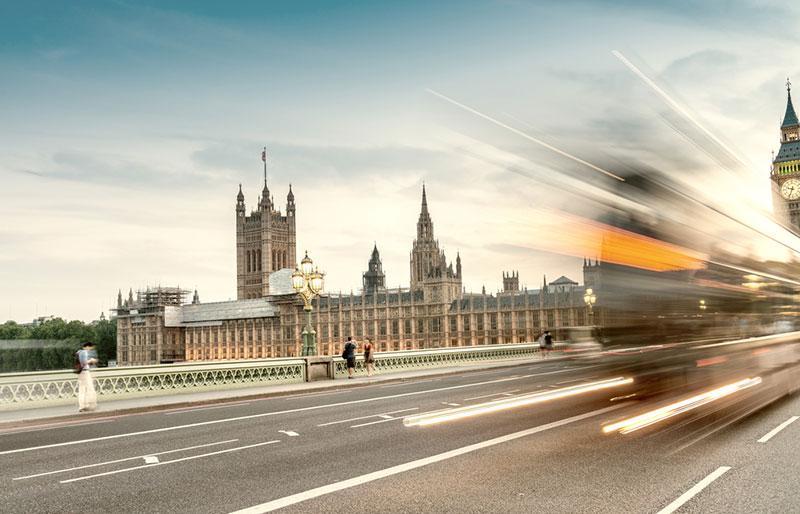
(700, 66)
(318, 160)
(118, 170)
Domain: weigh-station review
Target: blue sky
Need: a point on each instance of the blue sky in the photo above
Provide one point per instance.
(127, 127)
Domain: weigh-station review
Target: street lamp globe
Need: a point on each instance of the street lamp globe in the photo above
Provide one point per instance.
(317, 281)
(307, 265)
(298, 280)
(590, 298)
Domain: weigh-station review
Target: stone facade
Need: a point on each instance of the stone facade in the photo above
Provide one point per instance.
(265, 242)
(267, 320)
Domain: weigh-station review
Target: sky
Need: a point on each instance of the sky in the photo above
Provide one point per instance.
(127, 127)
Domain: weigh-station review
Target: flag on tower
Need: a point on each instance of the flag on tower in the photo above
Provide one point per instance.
(264, 154)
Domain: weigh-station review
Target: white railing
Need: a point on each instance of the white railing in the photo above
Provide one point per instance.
(53, 387)
(420, 359)
(43, 388)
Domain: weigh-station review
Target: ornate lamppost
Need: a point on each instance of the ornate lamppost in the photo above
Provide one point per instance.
(589, 299)
(308, 281)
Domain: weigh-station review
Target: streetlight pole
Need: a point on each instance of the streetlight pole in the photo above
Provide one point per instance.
(308, 281)
(590, 298)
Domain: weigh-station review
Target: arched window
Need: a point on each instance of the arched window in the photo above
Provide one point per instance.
(247, 254)
(258, 260)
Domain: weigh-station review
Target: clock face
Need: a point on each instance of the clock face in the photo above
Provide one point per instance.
(791, 189)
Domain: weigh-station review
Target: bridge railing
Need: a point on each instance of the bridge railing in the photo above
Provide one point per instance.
(419, 359)
(43, 388)
(20, 390)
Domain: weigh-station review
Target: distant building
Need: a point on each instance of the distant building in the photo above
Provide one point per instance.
(38, 321)
(510, 281)
(373, 279)
(160, 325)
(265, 242)
(785, 173)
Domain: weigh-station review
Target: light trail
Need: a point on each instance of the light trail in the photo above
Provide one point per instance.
(674, 105)
(442, 416)
(648, 418)
(526, 136)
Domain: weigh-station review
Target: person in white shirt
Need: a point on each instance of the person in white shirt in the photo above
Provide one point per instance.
(87, 396)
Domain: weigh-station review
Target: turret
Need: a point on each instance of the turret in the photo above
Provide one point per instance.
(195, 298)
(458, 264)
(240, 208)
(290, 202)
(119, 299)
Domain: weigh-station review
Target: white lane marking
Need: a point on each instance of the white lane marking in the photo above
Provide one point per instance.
(53, 426)
(777, 429)
(394, 470)
(375, 422)
(275, 413)
(125, 459)
(490, 395)
(194, 409)
(385, 416)
(150, 459)
(451, 404)
(290, 433)
(366, 417)
(183, 459)
(688, 495)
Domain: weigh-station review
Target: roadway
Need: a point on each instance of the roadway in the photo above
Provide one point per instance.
(348, 450)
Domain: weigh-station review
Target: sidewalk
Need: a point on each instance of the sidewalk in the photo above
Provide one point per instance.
(39, 415)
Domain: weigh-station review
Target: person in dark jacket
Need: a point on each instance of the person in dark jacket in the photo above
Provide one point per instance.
(349, 354)
(548, 342)
(369, 357)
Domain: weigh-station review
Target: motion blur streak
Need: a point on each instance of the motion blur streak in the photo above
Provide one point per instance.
(510, 403)
(526, 136)
(643, 420)
(672, 103)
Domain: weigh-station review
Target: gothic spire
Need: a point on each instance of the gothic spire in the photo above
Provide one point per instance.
(790, 118)
(240, 196)
(424, 225)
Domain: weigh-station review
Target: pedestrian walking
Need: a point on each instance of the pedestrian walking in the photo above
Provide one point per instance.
(369, 357)
(548, 343)
(87, 396)
(349, 354)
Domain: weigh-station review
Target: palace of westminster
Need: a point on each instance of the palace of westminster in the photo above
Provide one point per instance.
(157, 325)
(266, 320)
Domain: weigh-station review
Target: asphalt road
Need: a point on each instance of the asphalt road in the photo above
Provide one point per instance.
(349, 451)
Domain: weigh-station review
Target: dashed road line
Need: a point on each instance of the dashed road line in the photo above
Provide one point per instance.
(688, 495)
(124, 470)
(366, 417)
(125, 459)
(777, 429)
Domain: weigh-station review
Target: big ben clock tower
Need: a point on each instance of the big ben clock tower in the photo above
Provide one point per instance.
(786, 167)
